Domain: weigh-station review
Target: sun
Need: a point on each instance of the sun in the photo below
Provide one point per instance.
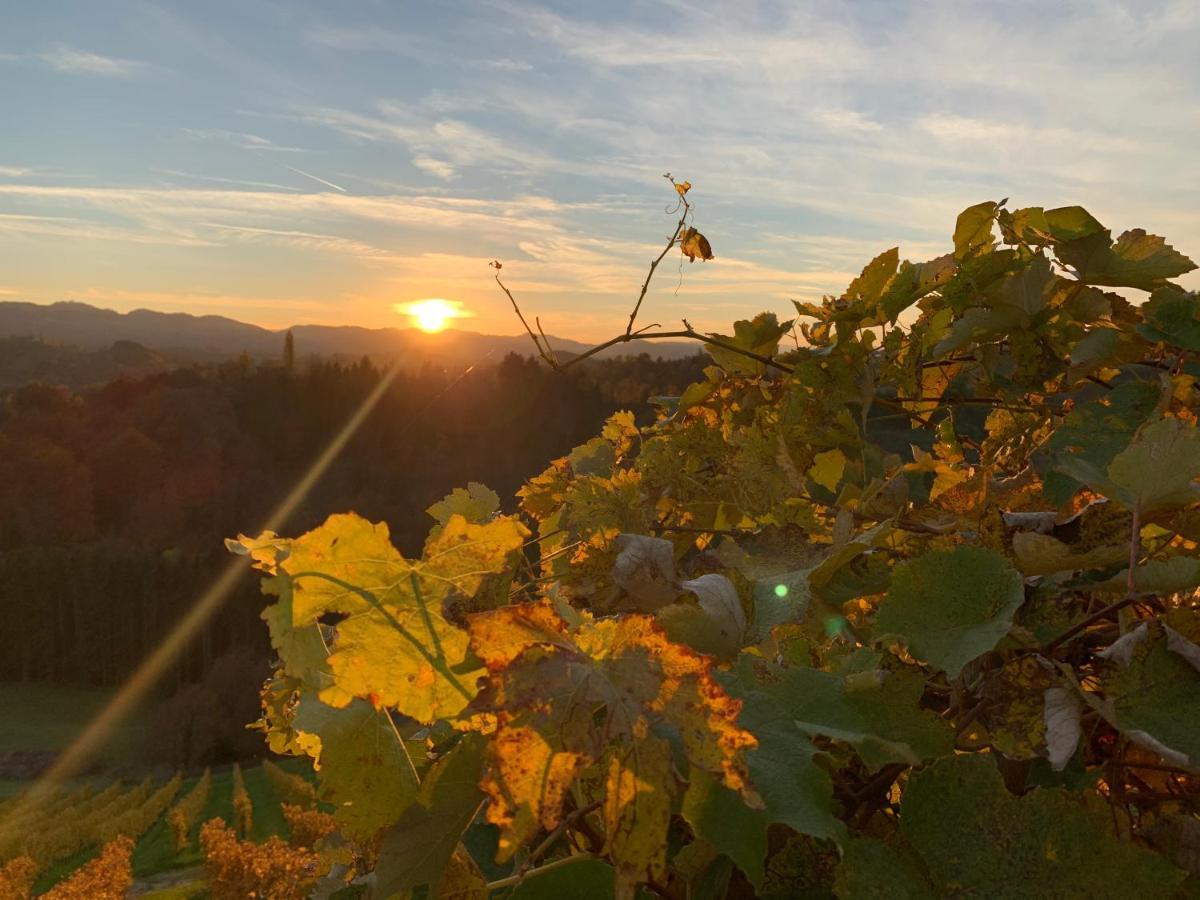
(432, 315)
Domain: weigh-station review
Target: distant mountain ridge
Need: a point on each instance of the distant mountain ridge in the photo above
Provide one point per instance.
(182, 337)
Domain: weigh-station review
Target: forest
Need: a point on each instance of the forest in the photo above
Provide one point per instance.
(116, 499)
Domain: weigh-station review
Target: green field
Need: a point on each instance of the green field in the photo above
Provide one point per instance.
(48, 717)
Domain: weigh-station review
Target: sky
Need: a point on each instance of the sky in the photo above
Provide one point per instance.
(320, 162)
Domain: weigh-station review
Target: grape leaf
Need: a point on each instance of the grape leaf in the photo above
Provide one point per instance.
(868, 287)
(476, 503)
(973, 230)
(1136, 260)
(416, 850)
(878, 712)
(827, 469)
(1095, 432)
(976, 840)
(795, 791)
(1172, 316)
(566, 699)
(637, 811)
(950, 606)
(1157, 693)
(586, 879)
(364, 769)
(1067, 223)
(871, 870)
(759, 335)
(394, 644)
(1158, 470)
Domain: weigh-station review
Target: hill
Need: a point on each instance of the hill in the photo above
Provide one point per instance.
(181, 337)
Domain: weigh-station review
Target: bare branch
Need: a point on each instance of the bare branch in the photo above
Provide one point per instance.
(543, 353)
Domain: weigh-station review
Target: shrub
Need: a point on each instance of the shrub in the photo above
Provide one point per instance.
(307, 826)
(107, 877)
(268, 871)
(16, 878)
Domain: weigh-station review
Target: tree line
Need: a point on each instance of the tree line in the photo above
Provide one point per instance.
(114, 501)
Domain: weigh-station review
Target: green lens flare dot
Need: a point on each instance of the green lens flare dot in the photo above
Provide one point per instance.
(781, 590)
(834, 626)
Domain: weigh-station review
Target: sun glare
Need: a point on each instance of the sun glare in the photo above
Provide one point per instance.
(432, 315)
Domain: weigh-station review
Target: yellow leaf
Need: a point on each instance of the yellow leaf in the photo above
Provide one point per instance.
(683, 187)
(637, 811)
(827, 469)
(528, 781)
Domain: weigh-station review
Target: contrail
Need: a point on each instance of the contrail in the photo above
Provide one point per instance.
(315, 178)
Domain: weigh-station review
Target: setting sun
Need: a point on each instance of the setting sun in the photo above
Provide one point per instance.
(432, 315)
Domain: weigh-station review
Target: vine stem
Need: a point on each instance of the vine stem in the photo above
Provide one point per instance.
(687, 208)
(513, 880)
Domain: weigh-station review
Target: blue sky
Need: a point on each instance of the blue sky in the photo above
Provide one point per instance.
(285, 162)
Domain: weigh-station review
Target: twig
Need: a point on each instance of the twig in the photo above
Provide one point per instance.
(687, 209)
(542, 353)
(513, 880)
(568, 820)
(546, 341)
(1090, 620)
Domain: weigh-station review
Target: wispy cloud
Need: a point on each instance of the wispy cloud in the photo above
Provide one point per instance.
(65, 58)
(240, 139)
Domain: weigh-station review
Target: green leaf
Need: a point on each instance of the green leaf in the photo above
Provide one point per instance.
(973, 231)
(1173, 317)
(868, 286)
(778, 601)
(364, 770)
(1067, 223)
(871, 870)
(1095, 432)
(1027, 225)
(584, 879)
(1157, 471)
(1044, 554)
(977, 840)
(759, 335)
(416, 850)
(716, 624)
(1157, 694)
(795, 791)
(1136, 260)
(914, 281)
(951, 606)
(878, 712)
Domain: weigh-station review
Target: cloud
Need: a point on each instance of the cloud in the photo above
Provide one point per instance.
(65, 58)
(239, 139)
(845, 121)
(435, 167)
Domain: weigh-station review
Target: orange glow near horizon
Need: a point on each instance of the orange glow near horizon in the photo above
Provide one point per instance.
(432, 315)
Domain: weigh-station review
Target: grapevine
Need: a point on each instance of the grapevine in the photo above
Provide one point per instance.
(243, 806)
(186, 812)
(909, 609)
